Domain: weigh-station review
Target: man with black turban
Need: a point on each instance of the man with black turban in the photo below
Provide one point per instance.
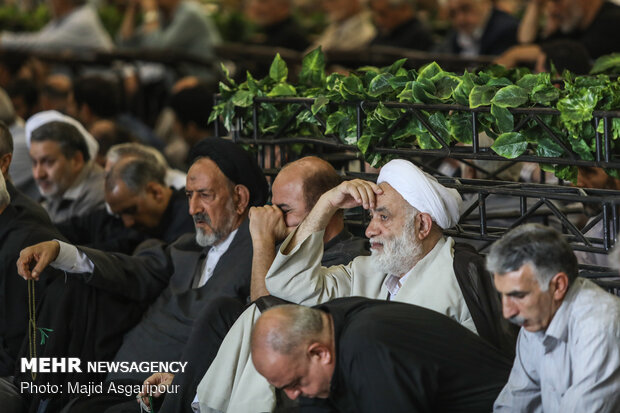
(176, 280)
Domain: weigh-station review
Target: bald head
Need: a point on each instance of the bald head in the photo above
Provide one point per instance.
(293, 348)
(286, 328)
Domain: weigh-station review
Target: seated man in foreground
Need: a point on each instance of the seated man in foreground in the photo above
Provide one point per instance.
(411, 262)
(371, 356)
(568, 350)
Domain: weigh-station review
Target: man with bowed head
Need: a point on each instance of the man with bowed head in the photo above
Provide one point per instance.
(369, 356)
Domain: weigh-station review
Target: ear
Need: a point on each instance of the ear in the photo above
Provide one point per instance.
(320, 352)
(560, 280)
(424, 225)
(241, 199)
(5, 162)
(156, 190)
(78, 161)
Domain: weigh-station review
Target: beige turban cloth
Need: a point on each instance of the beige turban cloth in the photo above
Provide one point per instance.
(423, 192)
(41, 118)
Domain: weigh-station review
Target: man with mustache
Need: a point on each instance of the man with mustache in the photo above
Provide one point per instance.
(412, 261)
(176, 280)
(62, 154)
(568, 351)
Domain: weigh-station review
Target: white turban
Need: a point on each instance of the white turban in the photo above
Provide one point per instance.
(41, 118)
(423, 192)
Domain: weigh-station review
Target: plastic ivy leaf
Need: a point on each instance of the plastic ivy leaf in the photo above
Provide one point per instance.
(510, 145)
(319, 103)
(481, 96)
(503, 117)
(278, 70)
(43, 332)
(313, 69)
(429, 71)
(609, 63)
(578, 107)
(510, 97)
(380, 84)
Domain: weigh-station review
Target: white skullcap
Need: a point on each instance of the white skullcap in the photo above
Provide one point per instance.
(41, 118)
(422, 191)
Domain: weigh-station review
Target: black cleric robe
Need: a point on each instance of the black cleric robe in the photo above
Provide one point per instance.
(397, 357)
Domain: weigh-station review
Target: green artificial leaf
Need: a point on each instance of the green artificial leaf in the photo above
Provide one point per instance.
(319, 103)
(510, 97)
(251, 83)
(505, 120)
(387, 113)
(445, 85)
(438, 121)
(226, 72)
(243, 98)
(613, 172)
(427, 141)
(282, 89)
(578, 107)
(566, 172)
(351, 88)
(228, 114)
(278, 71)
(336, 123)
(380, 84)
(499, 82)
(395, 67)
(548, 148)
(581, 148)
(406, 95)
(608, 63)
(463, 89)
(544, 94)
(398, 82)
(424, 91)
(481, 96)
(510, 145)
(429, 71)
(459, 125)
(529, 81)
(364, 142)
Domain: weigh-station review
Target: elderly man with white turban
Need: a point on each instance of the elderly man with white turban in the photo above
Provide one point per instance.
(412, 262)
(62, 154)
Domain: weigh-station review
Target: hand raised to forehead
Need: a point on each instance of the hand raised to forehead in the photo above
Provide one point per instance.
(356, 192)
(267, 224)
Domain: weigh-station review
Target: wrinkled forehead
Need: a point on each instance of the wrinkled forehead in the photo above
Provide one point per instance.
(391, 199)
(205, 174)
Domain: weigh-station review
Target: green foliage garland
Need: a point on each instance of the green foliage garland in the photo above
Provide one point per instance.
(495, 87)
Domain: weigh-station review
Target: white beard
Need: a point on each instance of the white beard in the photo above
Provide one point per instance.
(399, 254)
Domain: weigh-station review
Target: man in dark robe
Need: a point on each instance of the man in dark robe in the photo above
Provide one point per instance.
(17, 230)
(178, 279)
(370, 356)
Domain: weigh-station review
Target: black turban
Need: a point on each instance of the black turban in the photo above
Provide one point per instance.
(237, 164)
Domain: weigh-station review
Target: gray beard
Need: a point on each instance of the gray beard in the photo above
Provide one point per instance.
(208, 240)
(399, 254)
